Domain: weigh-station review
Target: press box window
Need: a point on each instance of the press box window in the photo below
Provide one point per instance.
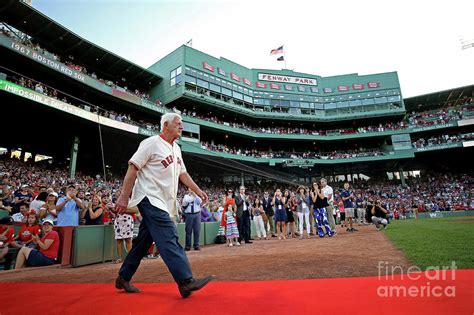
(176, 76)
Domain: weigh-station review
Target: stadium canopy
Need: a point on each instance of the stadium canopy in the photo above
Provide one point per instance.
(438, 99)
(56, 38)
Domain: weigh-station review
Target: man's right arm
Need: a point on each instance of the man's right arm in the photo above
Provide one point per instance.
(128, 183)
(60, 205)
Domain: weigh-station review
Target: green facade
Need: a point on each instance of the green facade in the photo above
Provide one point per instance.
(263, 93)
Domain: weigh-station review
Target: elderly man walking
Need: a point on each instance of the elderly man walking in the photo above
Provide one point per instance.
(153, 173)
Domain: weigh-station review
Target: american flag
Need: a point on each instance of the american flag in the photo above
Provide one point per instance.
(277, 51)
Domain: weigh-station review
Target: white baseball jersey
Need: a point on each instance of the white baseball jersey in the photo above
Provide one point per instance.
(159, 166)
(327, 190)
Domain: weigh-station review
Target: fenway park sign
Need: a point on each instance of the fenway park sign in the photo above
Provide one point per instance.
(286, 79)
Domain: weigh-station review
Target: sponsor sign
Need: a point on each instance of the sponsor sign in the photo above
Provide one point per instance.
(248, 82)
(65, 107)
(222, 72)
(372, 85)
(274, 86)
(327, 90)
(357, 86)
(207, 66)
(234, 77)
(261, 85)
(343, 88)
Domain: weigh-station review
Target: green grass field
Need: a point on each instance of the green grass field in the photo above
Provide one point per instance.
(435, 242)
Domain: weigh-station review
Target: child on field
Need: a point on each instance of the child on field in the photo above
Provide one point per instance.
(231, 230)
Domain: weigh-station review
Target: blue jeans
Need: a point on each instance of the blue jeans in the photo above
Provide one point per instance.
(157, 227)
(193, 224)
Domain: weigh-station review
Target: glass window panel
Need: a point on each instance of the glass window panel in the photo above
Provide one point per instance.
(342, 104)
(238, 95)
(355, 103)
(226, 92)
(202, 83)
(381, 100)
(215, 88)
(190, 79)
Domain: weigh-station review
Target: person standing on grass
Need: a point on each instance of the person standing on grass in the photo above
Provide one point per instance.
(152, 182)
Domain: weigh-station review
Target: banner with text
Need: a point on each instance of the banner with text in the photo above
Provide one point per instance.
(286, 79)
(65, 107)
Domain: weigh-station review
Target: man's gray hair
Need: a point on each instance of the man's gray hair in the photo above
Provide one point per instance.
(168, 117)
(323, 180)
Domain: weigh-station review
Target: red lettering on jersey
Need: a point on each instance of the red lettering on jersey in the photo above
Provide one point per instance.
(167, 161)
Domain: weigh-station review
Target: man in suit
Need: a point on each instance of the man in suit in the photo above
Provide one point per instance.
(268, 208)
(243, 215)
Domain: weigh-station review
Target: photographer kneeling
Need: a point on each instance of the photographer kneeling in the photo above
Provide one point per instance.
(379, 215)
(48, 249)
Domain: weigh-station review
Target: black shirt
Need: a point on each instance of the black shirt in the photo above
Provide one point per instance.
(96, 221)
(321, 203)
(379, 213)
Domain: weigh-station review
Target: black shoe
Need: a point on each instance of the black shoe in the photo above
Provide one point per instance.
(197, 248)
(348, 230)
(273, 235)
(187, 249)
(186, 288)
(122, 284)
(251, 239)
(248, 242)
(354, 230)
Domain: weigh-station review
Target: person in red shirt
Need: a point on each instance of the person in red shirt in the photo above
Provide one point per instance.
(6, 238)
(48, 249)
(30, 228)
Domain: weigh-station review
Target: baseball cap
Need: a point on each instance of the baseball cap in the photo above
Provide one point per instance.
(49, 221)
(24, 186)
(55, 194)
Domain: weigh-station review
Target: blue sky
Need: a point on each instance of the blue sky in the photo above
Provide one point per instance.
(420, 40)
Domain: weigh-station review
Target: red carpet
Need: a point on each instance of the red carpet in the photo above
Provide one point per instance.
(346, 295)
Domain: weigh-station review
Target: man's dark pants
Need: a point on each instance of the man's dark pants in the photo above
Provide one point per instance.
(243, 224)
(193, 224)
(157, 226)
